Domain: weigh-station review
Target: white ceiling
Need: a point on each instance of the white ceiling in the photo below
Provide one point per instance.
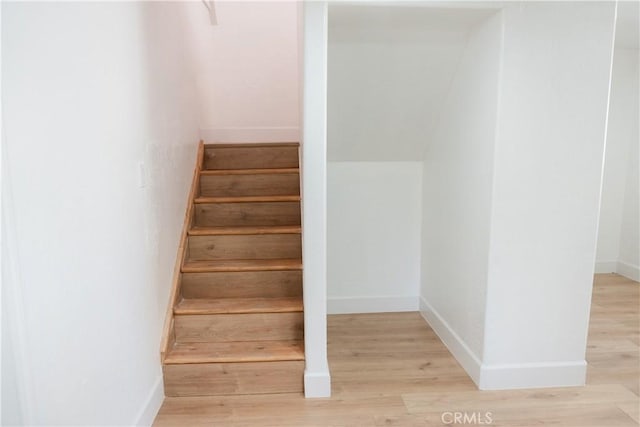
(389, 72)
(373, 21)
(628, 25)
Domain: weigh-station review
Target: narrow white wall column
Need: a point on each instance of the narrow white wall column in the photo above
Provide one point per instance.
(456, 200)
(317, 381)
(548, 162)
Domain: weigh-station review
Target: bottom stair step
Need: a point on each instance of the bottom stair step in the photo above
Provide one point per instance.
(215, 379)
(249, 351)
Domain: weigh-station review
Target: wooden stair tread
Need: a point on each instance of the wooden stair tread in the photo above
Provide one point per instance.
(247, 199)
(241, 265)
(229, 352)
(252, 144)
(239, 305)
(275, 171)
(223, 231)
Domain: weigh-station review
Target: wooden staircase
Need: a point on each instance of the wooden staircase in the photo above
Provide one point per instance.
(235, 319)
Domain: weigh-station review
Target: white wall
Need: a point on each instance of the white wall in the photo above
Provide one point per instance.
(390, 69)
(317, 380)
(618, 238)
(247, 70)
(456, 199)
(548, 162)
(92, 91)
(373, 214)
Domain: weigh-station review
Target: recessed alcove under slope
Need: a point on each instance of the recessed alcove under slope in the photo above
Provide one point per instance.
(390, 72)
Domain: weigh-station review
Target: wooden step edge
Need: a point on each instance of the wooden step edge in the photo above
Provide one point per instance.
(247, 199)
(257, 230)
(235, 352)
(251, 144)
(249, 265)
(275, 171)
(197, 306)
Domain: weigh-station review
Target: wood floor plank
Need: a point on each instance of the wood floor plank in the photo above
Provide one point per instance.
(632, 409)
(477, 400)
(583, 416)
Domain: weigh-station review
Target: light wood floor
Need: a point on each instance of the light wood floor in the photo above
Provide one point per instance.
(392, 370)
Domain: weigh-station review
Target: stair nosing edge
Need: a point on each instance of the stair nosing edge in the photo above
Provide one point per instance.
(252, 144)
(247, 199)
(244, 231)
(250, 171)
(261, 360)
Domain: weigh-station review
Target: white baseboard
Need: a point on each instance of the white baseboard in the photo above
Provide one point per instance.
(503, 377)
(629, 271)
(603, 267)
(533, 375)
(317, 384)
(458, 348)
(151, 405)
(348, 305)
(249, 134)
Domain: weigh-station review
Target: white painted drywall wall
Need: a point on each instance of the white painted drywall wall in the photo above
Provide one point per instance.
(317, 380)
(457, 195)
(390, 69)
(629, 256)
(618, 238)
(247, 70)
(374, 215)
(548, 162)
(91, 91)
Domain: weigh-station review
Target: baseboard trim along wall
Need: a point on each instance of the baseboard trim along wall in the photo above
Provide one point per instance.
(503, 377)
(533, 375)
(317, 384)
(458, 348)
(622, 268)
(250, 134)
(604, 267)
(152, 404)
(629, 271)
(386, 304)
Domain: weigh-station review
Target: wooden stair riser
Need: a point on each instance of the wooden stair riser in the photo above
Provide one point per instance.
(246, 214)
(250, 185)
(248, 157)
(268, 246)
(215, 379)
(241, 284)
(239, 327)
